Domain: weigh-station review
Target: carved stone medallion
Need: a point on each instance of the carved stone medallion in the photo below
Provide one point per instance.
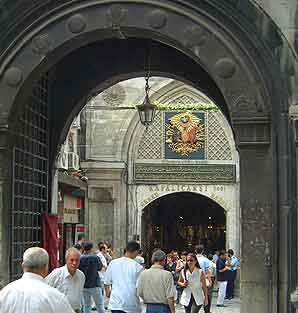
(225, 68)
(41, 44)
(157, 19)
(114, 96)
(13, 76)
(77, 23)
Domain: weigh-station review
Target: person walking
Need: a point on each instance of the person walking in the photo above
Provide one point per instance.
(121, 281)
(193, 280)
(232, 274)
(205, 266)
(221, 274)
(203, 261)
(68, 279)
(179, 267)
(156, 286)
(212, 273)
(102, 250)
(170, 265)
(31, 294)
(90, 265)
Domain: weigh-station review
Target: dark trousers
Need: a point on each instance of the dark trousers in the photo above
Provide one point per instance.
(157, 308)
(192, 307)
(231, 284)
(179, 293)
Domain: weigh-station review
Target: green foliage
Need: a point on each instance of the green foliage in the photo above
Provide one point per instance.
(196, 106)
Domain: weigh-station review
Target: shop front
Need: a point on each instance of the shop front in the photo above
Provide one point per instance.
(71, 211)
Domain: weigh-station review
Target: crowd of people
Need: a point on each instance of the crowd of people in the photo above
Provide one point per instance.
(187, 279)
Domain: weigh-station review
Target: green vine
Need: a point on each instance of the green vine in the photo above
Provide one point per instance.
(197, 106)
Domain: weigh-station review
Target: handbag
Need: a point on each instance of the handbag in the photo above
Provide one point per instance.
(208, 283)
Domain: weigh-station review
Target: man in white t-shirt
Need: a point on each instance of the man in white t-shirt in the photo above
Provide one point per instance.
(121, 281)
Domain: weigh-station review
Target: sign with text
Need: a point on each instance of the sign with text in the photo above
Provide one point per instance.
(201, 173)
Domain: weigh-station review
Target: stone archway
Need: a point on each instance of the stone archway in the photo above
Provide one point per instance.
(61, 39)
(182, 220)
(224, 196)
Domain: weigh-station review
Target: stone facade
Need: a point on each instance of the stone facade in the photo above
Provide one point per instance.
(242, 53)
(116, 143)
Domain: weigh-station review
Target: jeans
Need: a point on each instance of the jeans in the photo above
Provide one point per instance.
(82, 304)
(192, 306)
(222, 286)
(157, 308)
(96, 294)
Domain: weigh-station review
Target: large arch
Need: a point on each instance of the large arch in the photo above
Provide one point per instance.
(216, 48)
(202, 208)
(147, 197)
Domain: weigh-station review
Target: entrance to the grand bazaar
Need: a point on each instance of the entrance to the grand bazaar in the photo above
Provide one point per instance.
(181, 221)
(172, 182)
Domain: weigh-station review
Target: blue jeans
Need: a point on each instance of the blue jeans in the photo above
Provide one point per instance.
(82, 304)
(96, 294)
(158, 308)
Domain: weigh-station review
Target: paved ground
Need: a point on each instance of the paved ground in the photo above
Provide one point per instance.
(231, 306)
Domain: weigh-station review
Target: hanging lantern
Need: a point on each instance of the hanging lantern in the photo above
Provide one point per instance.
(146, 109)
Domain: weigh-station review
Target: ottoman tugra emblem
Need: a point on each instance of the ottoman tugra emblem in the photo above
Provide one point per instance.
(185, 133)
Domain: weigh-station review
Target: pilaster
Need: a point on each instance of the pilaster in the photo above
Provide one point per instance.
(256, 168)
(5, 208)
(107, 217)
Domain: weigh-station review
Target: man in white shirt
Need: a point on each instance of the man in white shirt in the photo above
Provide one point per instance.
(122, 276)
(69, 279)
(31, 294)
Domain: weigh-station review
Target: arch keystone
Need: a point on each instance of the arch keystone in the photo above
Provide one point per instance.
(116, 14)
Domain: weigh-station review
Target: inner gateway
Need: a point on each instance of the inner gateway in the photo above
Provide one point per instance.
(170, 176)
(181, 221)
